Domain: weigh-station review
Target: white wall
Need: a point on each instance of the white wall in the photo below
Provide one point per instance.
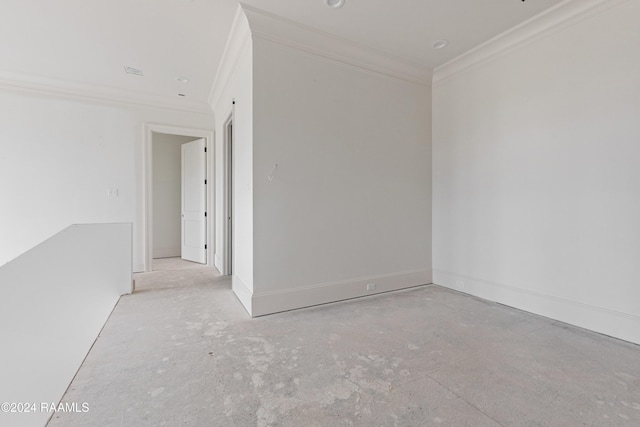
(350, 202)
(59, 157)
(235, 83)
(55, 300)
(167, 191)
(536, 176)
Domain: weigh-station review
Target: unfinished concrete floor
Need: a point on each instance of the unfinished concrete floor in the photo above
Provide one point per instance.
(181, 351)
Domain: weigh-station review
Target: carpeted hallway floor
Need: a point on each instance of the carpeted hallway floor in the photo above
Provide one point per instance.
(181, 351)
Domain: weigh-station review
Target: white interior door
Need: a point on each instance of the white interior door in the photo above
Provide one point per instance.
(194, 224)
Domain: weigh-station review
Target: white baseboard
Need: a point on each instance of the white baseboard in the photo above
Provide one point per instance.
(217, 262)
(289, 299)
(617, 324)
(138, 268)
(243, 293)
(167, 252)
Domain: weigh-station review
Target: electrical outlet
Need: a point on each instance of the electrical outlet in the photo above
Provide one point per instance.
(371, 286)
(459, 284)
(112, 192)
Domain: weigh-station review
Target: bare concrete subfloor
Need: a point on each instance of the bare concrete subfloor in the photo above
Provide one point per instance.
(181, 351)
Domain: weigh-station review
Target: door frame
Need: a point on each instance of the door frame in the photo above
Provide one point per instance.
(228, 194)
(147, 187)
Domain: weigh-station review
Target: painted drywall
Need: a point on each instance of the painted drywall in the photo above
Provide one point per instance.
(536, 177)
(167, 192)
(55, 299)
(235, 84)
(350, 200)
(60, 156)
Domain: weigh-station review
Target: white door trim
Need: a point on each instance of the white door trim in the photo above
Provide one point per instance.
(228, 194)
(147, 186)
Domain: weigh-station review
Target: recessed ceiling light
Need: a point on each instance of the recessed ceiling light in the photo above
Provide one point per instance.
(439, 44)
(334, 3)
(182, 79)
(132, 70)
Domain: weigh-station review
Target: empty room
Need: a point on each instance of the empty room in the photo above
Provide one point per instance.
(320, 213)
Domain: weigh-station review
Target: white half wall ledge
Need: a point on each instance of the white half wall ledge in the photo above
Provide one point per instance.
(56, 299)
(624, 326)
(291, 299)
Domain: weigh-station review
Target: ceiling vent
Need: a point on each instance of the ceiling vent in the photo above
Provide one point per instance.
(132, 70)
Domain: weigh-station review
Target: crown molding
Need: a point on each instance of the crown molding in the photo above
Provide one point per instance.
(318, 43)
(237, 42)
(96, 94)
(557, 18)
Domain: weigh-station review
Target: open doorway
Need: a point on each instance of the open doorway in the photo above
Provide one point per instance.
(177, 200)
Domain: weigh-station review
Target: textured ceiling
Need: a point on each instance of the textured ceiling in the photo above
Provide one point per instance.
(88, 42)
